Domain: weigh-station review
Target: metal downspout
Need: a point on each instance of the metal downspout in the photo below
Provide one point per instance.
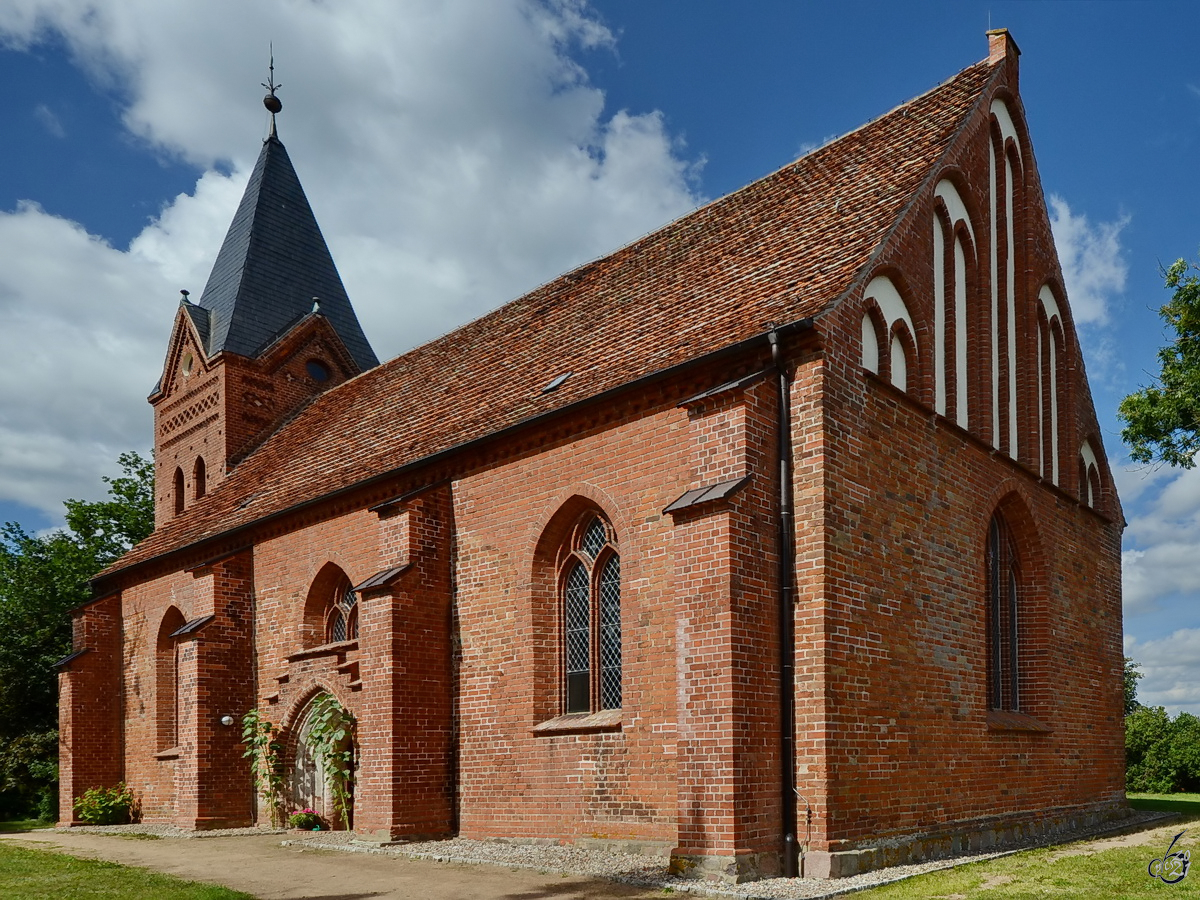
(787, 647)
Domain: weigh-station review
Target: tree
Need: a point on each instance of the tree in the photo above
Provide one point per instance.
(1162, 755)
(41, 579)
(1132, 676)
(1163, 422)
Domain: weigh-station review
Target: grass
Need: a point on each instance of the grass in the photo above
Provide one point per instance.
(40, 875)
(1050, 872)
(1184, 803)
(1069, 870)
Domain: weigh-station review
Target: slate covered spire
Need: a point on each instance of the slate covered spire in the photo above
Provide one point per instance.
(272, 264)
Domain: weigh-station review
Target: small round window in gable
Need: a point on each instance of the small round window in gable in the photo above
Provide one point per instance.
(317, 370)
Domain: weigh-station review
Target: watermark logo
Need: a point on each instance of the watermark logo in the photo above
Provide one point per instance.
(1171, 868)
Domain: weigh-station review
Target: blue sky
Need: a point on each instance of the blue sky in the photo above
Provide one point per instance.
(459, 154)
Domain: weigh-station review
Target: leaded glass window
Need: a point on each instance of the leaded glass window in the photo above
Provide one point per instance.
(341, 622)
(579, 651)
(1003, 607)
(594, 538)
(591, 617)
(610, 634)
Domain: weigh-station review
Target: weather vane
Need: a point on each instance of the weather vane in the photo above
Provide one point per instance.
(271, 102)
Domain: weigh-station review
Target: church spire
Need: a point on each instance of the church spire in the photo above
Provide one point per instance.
(273, 261)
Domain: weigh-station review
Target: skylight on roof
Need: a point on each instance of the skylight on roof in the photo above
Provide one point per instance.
(556, 383)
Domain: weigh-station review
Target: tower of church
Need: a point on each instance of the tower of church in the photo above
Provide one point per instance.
(273, 329)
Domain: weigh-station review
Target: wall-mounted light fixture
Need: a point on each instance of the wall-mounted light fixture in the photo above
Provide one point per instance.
(226, 721)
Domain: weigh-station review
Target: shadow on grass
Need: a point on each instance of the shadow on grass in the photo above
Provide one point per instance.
(20, 826)
(1166, 803)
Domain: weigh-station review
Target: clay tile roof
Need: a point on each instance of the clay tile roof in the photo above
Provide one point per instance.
(272, 263)
(779, 250)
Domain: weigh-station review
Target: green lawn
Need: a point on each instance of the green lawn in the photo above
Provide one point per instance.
(1119, 873)
(1067, 871)
(1184, 803)
(41, 875)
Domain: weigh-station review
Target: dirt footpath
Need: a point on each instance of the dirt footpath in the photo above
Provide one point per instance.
(258, 865)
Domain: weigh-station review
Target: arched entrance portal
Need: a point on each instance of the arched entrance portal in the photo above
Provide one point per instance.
(309, 784)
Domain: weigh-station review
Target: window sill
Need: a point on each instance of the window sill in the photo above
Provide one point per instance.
(580, 723)
(1010, 720)
(325, 650)
(171, 753)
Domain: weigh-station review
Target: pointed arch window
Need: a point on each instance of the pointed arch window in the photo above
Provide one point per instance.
(590, 579)
(167, 679)
(180, 499)
(199, 478)
(1003, 590)
(341, 617)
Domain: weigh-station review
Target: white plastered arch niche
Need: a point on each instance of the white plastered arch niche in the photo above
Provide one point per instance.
(1005, 261)
(1048, 363)
(1091, 468)
(891, 304)
(957, 210)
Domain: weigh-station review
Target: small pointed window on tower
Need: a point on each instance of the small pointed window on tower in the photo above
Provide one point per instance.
(179, 498)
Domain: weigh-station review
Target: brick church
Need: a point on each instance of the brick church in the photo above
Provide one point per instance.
(781, 540)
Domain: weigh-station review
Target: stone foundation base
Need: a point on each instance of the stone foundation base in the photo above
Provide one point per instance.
(957, 840)
(385, 838)
(635, 846)
(728, 869)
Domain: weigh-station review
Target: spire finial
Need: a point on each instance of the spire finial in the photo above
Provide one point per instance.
(271, 102)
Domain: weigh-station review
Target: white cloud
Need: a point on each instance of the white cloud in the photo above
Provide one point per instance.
(1091, 258)
(48, 120)
(455, 154)
(78, 324)
(1134, 479)
(1171, 670)
(1164, 540)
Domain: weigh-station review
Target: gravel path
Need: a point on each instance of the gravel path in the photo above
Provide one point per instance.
(631, 869)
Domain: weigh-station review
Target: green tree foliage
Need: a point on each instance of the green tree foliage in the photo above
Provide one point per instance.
(1163, 422)
(1132, 676)
(1162, 755)
(41, 579)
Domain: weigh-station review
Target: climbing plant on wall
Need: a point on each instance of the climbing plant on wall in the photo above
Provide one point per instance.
(331, 739)
(265, 753)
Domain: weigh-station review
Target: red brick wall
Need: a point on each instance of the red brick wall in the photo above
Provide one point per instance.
(225, 407)
(91, 754)
(406, 724)
(900, 612)
(620, 784)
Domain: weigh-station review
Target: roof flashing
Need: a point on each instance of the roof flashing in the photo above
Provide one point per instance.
(722, 490)
(190, 628)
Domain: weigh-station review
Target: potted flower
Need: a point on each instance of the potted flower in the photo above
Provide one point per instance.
(307, 820)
